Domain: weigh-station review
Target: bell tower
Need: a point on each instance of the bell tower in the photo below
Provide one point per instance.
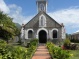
(41, 5)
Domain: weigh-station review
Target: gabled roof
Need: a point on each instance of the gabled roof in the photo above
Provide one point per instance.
(42, 12)
(52, 19)
(31, 19)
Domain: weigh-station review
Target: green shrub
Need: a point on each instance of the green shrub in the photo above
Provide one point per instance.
(2, 42)
(32, 42)
(67, 44)
(10, 52)
(17, 52)
(32, 47)
(57, 52)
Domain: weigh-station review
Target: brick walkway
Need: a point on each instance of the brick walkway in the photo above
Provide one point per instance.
(41, 53)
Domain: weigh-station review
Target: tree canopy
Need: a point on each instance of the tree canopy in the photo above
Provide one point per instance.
(8, 28)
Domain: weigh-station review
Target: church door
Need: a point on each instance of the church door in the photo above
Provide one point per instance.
(42, 36)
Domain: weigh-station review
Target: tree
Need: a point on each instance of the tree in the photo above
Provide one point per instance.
(9, 29)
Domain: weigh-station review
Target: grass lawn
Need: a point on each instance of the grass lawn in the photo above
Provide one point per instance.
(75, 54)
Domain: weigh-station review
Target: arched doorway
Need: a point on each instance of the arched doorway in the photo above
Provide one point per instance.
(42, 36)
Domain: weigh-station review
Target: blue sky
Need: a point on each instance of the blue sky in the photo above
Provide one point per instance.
(29, 7)
(63, 11)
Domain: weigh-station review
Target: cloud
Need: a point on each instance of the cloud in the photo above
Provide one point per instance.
(28, 18)
(15, 12)
(4, 7)
(70, 16)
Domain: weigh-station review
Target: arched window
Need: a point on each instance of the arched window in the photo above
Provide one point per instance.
(42, 8)
(42, 21)
(54, 34)
(30, 34)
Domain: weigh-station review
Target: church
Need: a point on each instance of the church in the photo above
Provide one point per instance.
(42, 26)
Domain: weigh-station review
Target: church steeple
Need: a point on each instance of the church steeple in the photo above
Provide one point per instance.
(41, 5)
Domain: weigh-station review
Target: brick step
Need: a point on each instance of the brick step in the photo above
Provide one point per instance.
(41, 53)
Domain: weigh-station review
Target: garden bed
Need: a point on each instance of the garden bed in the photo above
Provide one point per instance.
(57, 52)
(32, 48)
(17, 52)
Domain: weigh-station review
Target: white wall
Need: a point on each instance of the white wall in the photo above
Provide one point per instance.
(63, 33)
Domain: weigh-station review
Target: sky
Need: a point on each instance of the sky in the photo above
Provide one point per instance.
(63, 11)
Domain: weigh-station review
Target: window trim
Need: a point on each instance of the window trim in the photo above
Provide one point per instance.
(31, 34)
(42, 7)
(44, 21)
(28, 31)
(52, 33)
